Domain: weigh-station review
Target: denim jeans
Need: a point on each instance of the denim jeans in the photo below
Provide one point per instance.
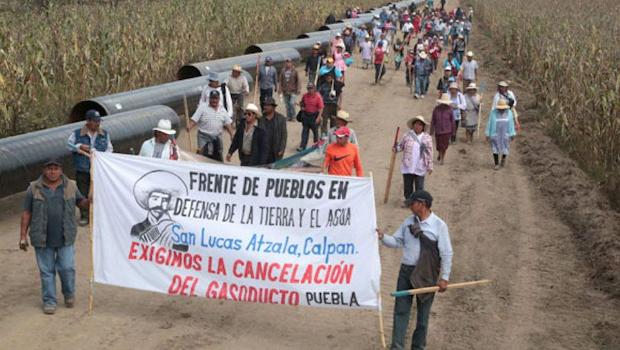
(51, 261)
(289, 101)
(402, 310)
(421, 84)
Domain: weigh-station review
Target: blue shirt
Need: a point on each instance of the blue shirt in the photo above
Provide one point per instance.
(435, 229)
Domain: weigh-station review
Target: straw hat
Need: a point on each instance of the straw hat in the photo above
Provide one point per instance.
(165, 126)
(453, 85)
(252, 108)
(502, 84)
(236, 68)
(342, 115)
(502, 104)
(470, 54)
(471, 86)
(445, 99)
(412, 121)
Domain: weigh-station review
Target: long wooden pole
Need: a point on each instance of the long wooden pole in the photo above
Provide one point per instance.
(257, 78)
(189, 133)
(403, 293)
(91, 292)
(388, 183)
(479, 117)
(380, 305)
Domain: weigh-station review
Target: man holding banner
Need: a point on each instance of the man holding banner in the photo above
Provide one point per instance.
(427, 249)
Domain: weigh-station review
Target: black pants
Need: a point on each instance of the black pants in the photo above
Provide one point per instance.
(246, 159)
(456, 129)
(410, 181)
(82, 180)
(379, 72)
(309, 123)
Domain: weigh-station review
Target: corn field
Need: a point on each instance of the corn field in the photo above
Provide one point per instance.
(569, 52)
(55, 53)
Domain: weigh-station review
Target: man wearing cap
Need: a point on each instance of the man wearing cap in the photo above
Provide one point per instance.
(341, 119)
(331, 92)
(311, 109)
(458, 106)
(82, 143)
(426, 262)
(469, 70)
(422, 69)
(267, 80)
(342, 156)
(290, 88)
(329, 69)
(417, 161)
(162, 145)
(379, 61)
(442, 126)
(453, 63)
(238, 88)
(274, 125)
(313, 63)
(249, 140)
(500, 131)
(459, 48)
(211, 119)
(214, 85)
(49, 219)
(444, 81)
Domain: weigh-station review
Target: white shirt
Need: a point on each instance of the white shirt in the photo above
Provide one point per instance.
(407, 27)
(238, 85)
(469, 69)
(204, 99)
(211, 121)
(498, 96)
(148, 149)
(435, 229)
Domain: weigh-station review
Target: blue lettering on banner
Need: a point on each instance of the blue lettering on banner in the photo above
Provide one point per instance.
(209, 241)
(327, 249)
(179, 237)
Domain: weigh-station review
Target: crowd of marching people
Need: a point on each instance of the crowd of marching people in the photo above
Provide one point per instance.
(415, 40)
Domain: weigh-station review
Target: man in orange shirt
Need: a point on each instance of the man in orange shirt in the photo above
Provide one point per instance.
(342, 156)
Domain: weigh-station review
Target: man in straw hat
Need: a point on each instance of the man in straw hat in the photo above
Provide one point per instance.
(458, 106)
(341, 119)
(469, 70)
(49, 219)
(500, 131)
(472, 111)
(249, 140)
(417, 161)
(426, 262)
(342, 156)
(162, 145)
(442, 126)
(313, 62)
(238, 88)
(422, 68)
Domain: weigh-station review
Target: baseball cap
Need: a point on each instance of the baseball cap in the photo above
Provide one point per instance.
(420, 196)
(52, 161)
(212, 76)
(92, 114)
(343, 132)
(214, 94)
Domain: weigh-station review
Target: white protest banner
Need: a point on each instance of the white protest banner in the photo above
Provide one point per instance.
(235, 233)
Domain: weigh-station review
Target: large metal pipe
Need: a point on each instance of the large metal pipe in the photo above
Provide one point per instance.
(304, 46)
(247, 62)
(319, 35)
(169, 94)
(22, 156)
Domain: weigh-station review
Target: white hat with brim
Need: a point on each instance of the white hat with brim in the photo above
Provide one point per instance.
(342, 115)
(252, 108)
(502, 104)
(412, 121)
(470, 54)
(453, 85)
(502, 84)
(471, 86)
(422, 55)
(445, 99)
(165, 126)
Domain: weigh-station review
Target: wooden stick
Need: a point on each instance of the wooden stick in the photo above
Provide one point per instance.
(257, 77)
(189, 133)
(388, 183)
(479, 117)
(316, 76)
(403, 293)
(91, 292)
(381, 330)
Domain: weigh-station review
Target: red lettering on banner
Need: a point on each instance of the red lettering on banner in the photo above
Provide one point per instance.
(251, 294)
(273, 278)
(133, 249)
(221, 267)
(183, 285)
(164, 256)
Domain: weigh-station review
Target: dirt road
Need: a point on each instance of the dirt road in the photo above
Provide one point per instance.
(502, 228)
